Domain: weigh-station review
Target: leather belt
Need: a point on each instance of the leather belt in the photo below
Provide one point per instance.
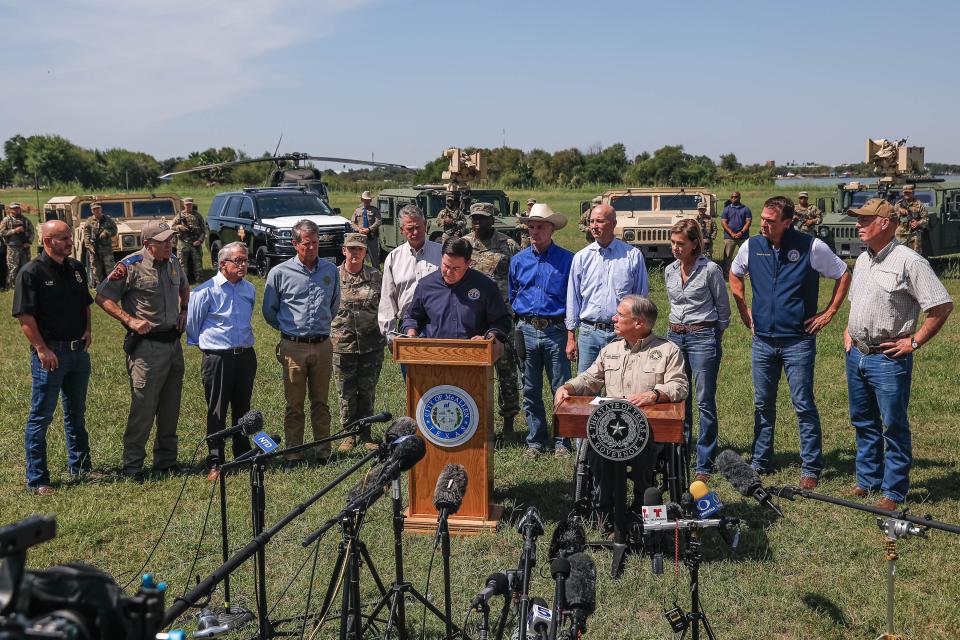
(603, 326)
(235, 351)
(304, 339)
(690, 328)
(66, 345)
(868, 349)
(539, 322)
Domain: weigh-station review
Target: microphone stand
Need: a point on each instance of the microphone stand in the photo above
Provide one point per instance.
(443, 529)
(483, 628)
(527, 562)
(559, 602)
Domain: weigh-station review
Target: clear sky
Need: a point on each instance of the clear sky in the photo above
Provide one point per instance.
(403, 79)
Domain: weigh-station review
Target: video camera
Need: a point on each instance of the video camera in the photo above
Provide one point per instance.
(72, 601)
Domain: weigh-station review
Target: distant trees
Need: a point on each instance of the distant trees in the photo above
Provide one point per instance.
(52, 158)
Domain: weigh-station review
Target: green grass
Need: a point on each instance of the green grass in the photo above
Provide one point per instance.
(817, 573)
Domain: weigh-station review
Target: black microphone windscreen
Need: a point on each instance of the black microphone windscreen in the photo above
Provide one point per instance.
(251, 422)
(365, 483)
(560, 567)
(409, 452)
(581, 586)
(652, 496)
(402, 426)
(568, 538)
(741, 475)
(451, 486)
(500, 583)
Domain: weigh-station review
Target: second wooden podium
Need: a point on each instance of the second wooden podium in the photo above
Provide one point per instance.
(450, 395)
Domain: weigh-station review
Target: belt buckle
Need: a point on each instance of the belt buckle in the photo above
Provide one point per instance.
(76, 345)
(539, 323)
(863, 348)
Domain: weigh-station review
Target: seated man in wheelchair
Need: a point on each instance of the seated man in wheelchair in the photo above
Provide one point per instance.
(643, 369)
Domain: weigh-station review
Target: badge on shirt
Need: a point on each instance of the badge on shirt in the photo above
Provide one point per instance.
(76, 274)
(793, 255)
(655, 354)
(326, 280)
(473, 294)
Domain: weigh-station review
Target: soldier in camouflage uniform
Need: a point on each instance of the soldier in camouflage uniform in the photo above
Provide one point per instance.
(18, 235)
(98, 234)
(707, 229)
(522, 226)
(492, 251)
(584, 224)
(808, 216)
(452, 221)
(357, 341)
(913, 219)
(190, 229)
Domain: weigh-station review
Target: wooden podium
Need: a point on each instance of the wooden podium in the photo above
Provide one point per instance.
(454, 365)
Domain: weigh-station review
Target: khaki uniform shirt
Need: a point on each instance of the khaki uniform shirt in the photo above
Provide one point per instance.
(92, 229)
(708, 229)
(373, 219)
(807, 214)
(908, 212)
(189, 227)
(492, 258)
(651, 364)
(355, 328)
(16, 238)
(146, 289)
(888, 291)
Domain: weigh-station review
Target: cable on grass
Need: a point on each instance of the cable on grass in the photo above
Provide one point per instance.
(203, 531)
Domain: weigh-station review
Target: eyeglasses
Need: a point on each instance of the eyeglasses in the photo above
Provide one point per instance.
(240, 262)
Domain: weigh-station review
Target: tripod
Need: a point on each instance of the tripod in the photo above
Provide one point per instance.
(398, 591)
(696, 615)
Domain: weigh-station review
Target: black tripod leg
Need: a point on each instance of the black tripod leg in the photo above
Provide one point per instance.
(334, 580)
(373, 570)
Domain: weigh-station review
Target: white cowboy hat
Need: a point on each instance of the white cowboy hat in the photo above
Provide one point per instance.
(542, 211)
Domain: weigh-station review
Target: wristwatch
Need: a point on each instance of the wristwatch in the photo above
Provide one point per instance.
(914, 344)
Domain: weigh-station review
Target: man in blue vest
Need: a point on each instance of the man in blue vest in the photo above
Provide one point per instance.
(785, 268)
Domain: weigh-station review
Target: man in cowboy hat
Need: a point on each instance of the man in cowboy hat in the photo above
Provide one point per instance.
(492, 252)
(366, 220)
(808, 216)
(538, 294)
(522, 225)
(913, 219)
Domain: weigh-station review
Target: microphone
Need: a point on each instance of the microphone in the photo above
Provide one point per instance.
(249, 423)
(383, 416)
(402, 426)
(580, 591)
(654, 511)
(744, 478)
(560, 570)
(451, 486)
(540, 619)
(364, 483)
(568, 538)
(409, 450)
(496, 585)
(531, 522)
(708, 503)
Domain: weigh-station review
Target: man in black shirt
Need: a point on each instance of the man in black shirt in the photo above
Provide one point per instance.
(52, 302)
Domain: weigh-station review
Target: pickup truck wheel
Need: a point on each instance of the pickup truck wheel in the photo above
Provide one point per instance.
(264, 264)
(214, 252)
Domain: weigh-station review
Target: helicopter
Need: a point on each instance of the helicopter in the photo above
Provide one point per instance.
(305, 177)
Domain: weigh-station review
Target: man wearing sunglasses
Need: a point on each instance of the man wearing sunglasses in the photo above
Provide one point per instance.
(219, 322)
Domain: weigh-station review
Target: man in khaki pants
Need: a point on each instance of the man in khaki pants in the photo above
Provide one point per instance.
(300, 299)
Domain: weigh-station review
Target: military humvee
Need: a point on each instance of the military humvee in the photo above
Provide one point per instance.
(130, 211)
(645, 216)
(897, 165)
(431, 198)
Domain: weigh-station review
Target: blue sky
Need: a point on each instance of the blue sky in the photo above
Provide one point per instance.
(402, 80)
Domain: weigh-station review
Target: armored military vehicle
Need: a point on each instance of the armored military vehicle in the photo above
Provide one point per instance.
(431, 199)
(897, 165)
(645, 216)
(131, 211)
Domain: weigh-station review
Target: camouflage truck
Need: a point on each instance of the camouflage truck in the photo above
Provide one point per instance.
(130, 211)
(645, 216)
(897, 165)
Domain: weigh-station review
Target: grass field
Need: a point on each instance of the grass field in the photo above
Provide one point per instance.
(819, 572)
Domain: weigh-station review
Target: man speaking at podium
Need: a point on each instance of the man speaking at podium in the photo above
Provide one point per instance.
(641, 368)
(457, 301)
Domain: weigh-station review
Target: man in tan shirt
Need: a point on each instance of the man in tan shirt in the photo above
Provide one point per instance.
(643, 369)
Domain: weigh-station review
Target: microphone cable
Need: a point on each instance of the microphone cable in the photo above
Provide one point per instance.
(426, 588)
(203, 530)
(166, 525)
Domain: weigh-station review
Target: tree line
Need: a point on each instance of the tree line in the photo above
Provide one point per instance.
(43, 160)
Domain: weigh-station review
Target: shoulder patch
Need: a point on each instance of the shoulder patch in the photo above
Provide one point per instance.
(119, 272)
(131, 260)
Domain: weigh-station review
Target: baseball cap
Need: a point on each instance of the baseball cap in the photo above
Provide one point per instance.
(481, 209)
(157, 231)
(355, 240)
(531, 201)
(188, 201)
(874, 207)
(95, 205)
(803, 194)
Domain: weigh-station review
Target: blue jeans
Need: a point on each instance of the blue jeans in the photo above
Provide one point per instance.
(589, 342)
(796, 357)
(545, 352)
(68, 380)
(701, 353)
(879, 390)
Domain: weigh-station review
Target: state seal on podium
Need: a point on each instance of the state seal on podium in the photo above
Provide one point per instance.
(447, 415)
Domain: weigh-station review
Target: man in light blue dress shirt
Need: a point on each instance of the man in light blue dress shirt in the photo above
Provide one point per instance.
(602, 273)
(300, 299)
(219, 322)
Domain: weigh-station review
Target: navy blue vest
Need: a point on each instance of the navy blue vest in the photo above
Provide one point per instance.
(785, 286)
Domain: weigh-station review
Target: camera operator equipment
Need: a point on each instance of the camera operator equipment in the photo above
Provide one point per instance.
(580, 593)
(744, 478)
(531, 526)
(71, 601)
(497, 585)
(894, 524)
(560, 571)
